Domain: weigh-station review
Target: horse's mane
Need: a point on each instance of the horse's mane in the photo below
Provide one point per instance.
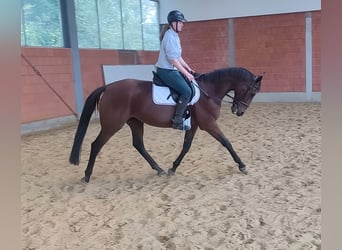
(239, 73)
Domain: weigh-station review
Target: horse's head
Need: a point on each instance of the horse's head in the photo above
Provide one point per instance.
(244, 94)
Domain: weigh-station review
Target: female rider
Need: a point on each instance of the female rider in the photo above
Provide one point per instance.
(170, 64)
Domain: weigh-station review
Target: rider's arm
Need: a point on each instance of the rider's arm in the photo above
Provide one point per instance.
(177, 63)
(185, 65)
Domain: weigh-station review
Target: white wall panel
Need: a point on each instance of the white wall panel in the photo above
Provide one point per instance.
(197, 10)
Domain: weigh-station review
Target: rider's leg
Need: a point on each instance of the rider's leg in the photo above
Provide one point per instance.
(177, 120)
(175, 80)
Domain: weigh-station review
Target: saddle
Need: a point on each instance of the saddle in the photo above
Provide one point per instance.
(161, 93)
(173, 93)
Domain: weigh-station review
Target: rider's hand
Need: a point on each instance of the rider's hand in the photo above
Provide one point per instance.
(190, 77)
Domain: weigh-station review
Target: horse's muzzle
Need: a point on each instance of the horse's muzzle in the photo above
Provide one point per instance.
(236, 111)
(239, 108)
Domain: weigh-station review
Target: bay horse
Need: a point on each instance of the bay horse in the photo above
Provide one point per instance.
(129, 101)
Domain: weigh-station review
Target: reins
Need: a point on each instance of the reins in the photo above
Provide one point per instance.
(197, 85)
(250, 85)
(206, 93)
(231, 97)
(210, 97)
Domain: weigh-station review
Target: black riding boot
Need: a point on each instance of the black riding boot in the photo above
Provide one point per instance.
(177, 121)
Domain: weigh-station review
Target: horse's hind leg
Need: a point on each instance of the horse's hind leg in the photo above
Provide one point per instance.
(137, 128)
(96, 146)
(188, 138)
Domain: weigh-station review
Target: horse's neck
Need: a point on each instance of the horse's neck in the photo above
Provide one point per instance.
(216, 90)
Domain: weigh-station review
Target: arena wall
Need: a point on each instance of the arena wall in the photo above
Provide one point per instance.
(274, 44)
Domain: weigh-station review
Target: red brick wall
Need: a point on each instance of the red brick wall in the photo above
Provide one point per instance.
(205, 44)
(38, 101)
(91, 61)
(274, 44)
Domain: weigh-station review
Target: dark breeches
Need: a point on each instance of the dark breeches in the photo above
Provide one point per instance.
(176, 81)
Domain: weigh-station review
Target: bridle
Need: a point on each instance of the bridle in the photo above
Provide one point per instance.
(253, 86)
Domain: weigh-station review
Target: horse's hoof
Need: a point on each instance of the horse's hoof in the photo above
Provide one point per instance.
(161, 173)
(243, 170)
(170, 172)
(85, 180)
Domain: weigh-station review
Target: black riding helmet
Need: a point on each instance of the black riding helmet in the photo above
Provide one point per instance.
(175, 16)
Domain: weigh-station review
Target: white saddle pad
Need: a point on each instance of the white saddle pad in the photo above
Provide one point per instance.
(161, 95)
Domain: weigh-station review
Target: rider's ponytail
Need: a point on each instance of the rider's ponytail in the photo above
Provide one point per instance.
(163, 29)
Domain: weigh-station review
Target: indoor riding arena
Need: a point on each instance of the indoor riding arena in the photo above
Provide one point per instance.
(208, 203)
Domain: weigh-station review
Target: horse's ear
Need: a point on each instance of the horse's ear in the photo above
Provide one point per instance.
(258, 78)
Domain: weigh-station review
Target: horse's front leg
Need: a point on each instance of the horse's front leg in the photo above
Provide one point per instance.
(188, 138)
(218, 135)
(137, 128)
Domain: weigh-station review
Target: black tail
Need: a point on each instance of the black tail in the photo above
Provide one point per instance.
(88, 110)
